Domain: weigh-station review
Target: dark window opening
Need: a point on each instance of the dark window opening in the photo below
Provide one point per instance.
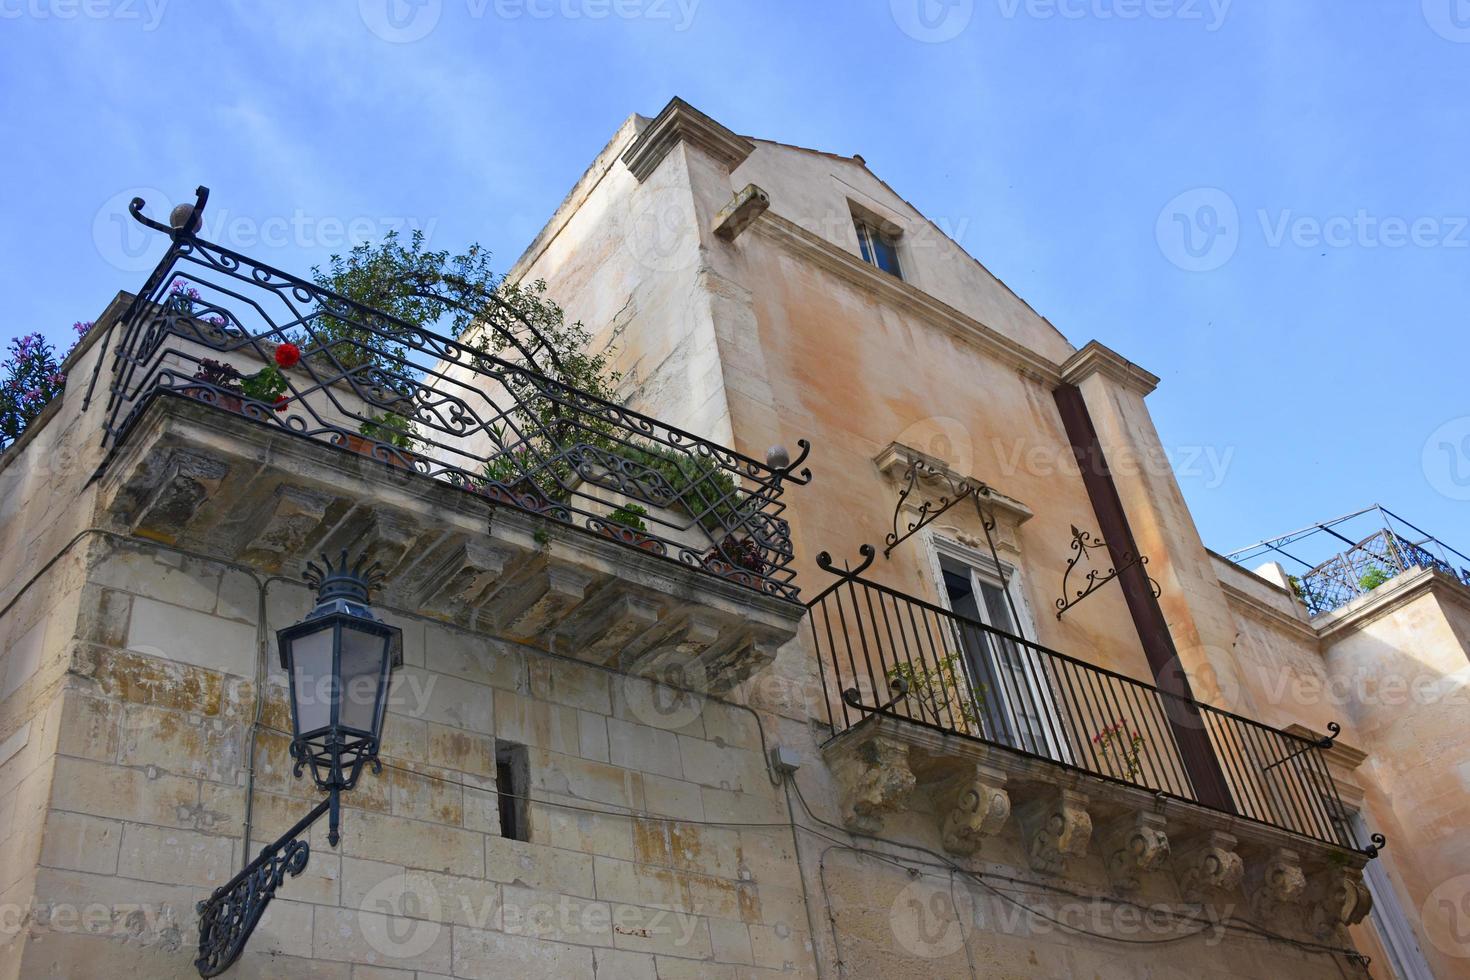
(879, 246)
(512, 785)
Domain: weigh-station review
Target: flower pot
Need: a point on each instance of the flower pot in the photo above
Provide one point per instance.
(531, 500)
(401, 458)
(632, 536)
(220, 399)
(733, 572)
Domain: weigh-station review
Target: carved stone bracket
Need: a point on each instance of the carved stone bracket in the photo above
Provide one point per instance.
(1337, 898)
(876, 779)
(974, 806)
(1132, 845)
(1276, 883)
(1208, 868)
(1056, 827)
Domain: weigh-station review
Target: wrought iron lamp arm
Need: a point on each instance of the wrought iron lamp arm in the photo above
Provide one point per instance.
(231, 914)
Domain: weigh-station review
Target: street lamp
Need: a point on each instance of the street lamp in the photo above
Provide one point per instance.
(338, 660)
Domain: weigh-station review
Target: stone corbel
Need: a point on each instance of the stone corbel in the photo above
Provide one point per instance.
(876, 779)
(1056, 827)
(975, 806)
(1337, 898)
(1276, 883)
(1209, 869)
(1132, 845)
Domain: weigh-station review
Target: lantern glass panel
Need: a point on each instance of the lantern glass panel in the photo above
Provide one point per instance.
(311, 678)
(363, 653)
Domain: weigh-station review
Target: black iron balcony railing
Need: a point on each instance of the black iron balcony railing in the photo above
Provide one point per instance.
(882, 652)
(1371, 562)
(210, 320)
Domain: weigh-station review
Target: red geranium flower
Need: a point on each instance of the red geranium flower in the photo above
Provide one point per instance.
(287, 355)
(281, 403)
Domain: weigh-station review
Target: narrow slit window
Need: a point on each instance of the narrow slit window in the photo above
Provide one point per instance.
(512, 785)
(879, 246)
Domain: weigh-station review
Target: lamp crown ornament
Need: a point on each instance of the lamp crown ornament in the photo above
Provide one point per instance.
(350, 581)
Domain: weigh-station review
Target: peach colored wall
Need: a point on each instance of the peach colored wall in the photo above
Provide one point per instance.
(1410, 681)
(1392, 670)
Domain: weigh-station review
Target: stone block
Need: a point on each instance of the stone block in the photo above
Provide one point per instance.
(484, 955)
(641, 747)
(75, 842)
(539, 866)
(190, 637)
(173, 856)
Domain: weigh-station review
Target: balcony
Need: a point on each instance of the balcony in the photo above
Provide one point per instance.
(1021, 745)
(492, 494)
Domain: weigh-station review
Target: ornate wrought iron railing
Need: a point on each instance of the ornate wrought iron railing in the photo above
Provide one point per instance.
(1367, 565)
(882, 652)
(209, 319)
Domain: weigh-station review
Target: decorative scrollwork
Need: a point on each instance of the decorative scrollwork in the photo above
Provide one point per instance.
(231, 914)
(1082, 543)
(955, 489)
(509, 430)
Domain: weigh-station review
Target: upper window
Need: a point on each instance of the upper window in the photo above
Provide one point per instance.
(879, 245)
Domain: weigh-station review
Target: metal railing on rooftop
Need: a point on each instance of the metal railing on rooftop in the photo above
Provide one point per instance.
(1371, 562)
(209, 319)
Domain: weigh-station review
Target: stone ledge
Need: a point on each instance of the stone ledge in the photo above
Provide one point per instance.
(1059, 817)
(222, 485)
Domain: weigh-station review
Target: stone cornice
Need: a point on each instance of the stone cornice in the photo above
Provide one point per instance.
(1095, 358)
(895, 459)
(906, 297)
(681, 122)
(1341, 754)
(1249, 604)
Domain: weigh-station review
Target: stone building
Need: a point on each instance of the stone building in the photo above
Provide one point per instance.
(642, 725)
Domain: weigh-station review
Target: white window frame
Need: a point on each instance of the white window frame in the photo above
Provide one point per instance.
(1395, 934)
(987, 570)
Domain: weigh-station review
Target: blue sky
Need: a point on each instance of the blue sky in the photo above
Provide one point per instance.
(1264, 203)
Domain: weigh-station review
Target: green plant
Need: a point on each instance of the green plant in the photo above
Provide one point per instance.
(1373, 578)
(394, 430)
(1296, 587)
(630, 516)
(939, 692)
(266, 385)
(1125, 744)
(29, 378)
(700, 485)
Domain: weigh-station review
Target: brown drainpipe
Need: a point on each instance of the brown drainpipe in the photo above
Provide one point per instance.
(1148, 618)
